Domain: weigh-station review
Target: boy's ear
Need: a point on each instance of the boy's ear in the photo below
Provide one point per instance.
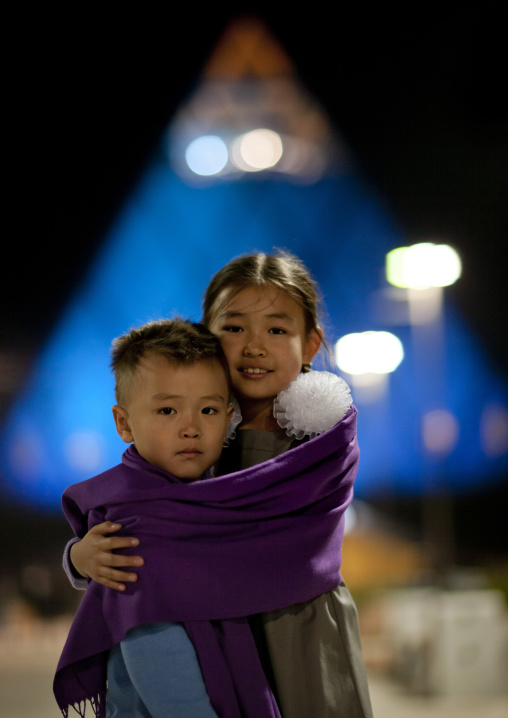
(121, 418)
(312, 344)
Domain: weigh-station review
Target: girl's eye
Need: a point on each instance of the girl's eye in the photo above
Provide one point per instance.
(209, 410)
(277, 330)
(232, 329)
(167, 410)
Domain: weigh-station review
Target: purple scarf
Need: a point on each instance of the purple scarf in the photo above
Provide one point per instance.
(215, 551)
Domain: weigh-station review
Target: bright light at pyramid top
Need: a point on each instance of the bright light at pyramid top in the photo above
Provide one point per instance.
(207, 155)
(250, 98)
(256, 150)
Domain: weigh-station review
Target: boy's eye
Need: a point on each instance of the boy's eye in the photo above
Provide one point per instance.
(233, 329)
(277, 330)
(209, 410)
(167, 410)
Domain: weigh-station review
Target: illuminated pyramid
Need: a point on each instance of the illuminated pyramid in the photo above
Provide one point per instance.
(184, 221)
(247, 108)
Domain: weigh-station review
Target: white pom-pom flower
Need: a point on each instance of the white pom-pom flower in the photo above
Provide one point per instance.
(312, 404)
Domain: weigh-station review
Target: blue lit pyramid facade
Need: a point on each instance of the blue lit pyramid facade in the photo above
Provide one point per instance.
(177, 229)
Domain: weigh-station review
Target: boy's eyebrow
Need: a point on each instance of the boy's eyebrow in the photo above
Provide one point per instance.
(275, 315)
(169, 397)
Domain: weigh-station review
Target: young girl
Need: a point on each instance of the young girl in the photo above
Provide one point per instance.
(264, 309)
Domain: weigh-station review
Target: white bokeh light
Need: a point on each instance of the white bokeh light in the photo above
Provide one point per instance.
(207, 155)
(423, 265)
(369, 353)
(257, 150)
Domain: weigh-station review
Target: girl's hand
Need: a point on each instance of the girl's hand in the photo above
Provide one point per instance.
(93, 556)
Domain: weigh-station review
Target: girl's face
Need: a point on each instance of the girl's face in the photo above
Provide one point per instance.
(262, 332)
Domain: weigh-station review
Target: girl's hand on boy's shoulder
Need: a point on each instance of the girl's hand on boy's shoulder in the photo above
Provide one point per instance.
(93, 556)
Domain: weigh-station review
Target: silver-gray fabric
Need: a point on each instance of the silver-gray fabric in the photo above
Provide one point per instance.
(311, 652)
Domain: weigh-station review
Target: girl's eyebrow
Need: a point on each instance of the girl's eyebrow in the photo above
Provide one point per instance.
(230, 315)
(275, 315)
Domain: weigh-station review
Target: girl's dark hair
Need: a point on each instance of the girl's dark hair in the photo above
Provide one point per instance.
(281, 270)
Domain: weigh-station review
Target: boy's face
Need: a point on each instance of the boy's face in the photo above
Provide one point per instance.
(176, 415)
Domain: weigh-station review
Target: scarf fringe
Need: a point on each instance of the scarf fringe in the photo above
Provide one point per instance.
(97, 703)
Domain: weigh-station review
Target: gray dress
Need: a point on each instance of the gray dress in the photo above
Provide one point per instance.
(310, 651)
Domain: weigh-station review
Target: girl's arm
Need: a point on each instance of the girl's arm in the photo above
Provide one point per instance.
(76, 579)
(93, 557)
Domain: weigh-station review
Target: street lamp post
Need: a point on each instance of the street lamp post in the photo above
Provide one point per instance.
(423, 270)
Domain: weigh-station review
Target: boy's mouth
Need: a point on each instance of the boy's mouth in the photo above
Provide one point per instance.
(254, 371)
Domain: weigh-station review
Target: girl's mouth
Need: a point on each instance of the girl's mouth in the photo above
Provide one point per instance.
(254, 370)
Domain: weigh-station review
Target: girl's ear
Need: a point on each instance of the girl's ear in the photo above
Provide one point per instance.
(229, 414)
(312, 344)
(123, 428)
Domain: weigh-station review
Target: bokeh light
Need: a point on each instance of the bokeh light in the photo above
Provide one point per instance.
(440, 432)
(207, 155)
(257, 150)
(494, 430)
(369, 353)
(423, 265)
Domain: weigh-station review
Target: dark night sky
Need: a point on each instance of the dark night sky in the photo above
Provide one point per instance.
(418, 98)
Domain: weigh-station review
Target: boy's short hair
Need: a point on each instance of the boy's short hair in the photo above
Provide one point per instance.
(178, 340)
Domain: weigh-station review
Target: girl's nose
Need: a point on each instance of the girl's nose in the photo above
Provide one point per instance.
(254, 348)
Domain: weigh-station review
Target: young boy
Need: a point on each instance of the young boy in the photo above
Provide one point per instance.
(216, 551)
(172, 392)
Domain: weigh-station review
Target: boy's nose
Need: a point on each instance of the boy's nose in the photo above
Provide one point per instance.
(190, 429)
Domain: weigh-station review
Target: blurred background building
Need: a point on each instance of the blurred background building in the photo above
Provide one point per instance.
(147, 157)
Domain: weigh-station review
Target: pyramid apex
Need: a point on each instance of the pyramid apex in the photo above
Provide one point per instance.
(247, 49)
